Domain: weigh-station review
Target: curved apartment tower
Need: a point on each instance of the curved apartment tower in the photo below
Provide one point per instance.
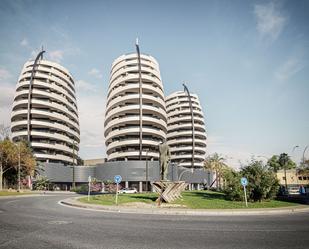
(184, 149)
(45, 111)
(135, 111)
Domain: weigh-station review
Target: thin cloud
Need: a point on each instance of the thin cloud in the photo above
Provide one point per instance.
(4, 74)
(96, 73)
(82, 85)
(289, 68)
(24, 42)
(270, 21)
(7, 91)
(91, 107)
(56, 55)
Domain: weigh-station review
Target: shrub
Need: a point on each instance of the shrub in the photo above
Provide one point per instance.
(262, 182)
(232, 187)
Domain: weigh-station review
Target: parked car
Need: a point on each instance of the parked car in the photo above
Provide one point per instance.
(127, 191)
(293, 190)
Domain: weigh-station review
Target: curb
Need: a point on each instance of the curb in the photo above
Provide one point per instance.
(74, 203)
(35, 194)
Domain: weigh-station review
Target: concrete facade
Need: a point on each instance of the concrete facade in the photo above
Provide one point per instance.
(179, 130)
(134, 173)
(293, 177)
(122, 117)
(45, 112)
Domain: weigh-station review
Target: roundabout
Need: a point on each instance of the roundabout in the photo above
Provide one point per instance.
(40, 222)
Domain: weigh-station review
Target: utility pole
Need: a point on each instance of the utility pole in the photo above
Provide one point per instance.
(1, 171)
(304, 155)
(18, 167)
(283, 159)
(147, 171)
(73, 181)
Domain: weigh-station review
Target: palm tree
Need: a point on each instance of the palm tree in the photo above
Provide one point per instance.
(216, 164)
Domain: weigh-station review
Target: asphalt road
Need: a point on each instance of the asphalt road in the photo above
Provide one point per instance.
(40, 222)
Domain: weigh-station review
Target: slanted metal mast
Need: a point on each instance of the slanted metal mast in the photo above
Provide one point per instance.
(39, 56)
(192, 121)
(140, 100)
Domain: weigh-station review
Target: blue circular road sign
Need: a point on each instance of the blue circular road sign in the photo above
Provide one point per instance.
(117, 179)
(244, 181)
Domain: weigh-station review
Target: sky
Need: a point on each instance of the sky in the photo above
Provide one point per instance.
(247, 61)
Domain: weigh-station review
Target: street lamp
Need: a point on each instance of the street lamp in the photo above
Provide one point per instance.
(73, 180)
(292, 151)
(304, 155)
(18, 190)
(147, 170)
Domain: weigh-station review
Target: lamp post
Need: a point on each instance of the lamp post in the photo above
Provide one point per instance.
(283, 159)
(73, 180)
(304, 155)
(18, 190)
(147, 171)
(292, 151)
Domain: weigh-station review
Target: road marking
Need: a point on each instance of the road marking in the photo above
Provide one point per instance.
(59, 222)
(88, 209)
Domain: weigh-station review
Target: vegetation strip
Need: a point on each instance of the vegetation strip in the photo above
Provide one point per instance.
(192, 200)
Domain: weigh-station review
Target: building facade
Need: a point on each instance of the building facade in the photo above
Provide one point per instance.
(127, 101)
(45, 112)
(184, 149)
(294, 177)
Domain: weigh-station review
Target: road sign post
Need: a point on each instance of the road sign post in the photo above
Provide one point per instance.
(117, 180)
(89, 182)
(244, 183)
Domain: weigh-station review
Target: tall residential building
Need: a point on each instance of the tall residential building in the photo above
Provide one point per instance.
(179, 130)
(123, 129)
(45, 111)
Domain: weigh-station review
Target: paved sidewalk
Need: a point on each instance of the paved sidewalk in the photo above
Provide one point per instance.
(73, 202)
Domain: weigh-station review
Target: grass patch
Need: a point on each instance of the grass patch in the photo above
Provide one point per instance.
(109, 199)
(191, 199)
(12, 193)
(216, 200)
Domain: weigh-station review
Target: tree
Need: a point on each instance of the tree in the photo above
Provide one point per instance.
(215, 163)
(274, 163)
(41, 183)
(9, 160)
(4, 132)
(232, 187)
(262, 182)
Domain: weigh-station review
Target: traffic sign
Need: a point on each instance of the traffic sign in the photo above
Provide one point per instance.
(117, 179)
(244, 181)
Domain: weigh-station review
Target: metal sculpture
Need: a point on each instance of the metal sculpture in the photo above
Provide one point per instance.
(165, 156)
(192, 121)
(39, 56)
(140, 100)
